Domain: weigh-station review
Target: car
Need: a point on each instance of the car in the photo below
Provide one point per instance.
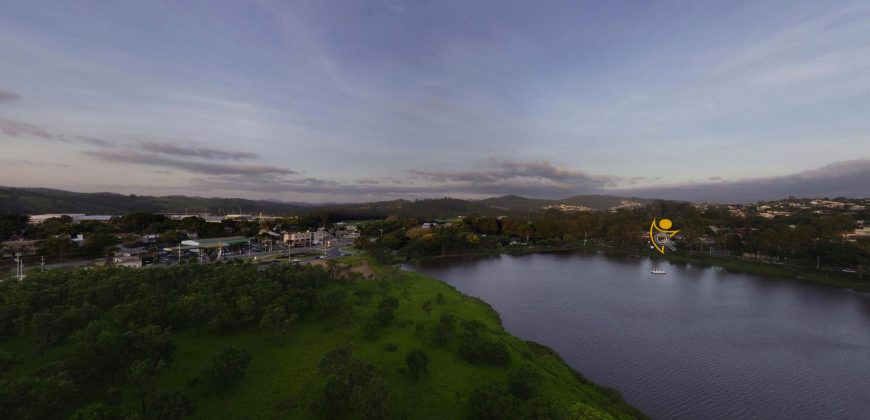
(297, 260)
(322, 257)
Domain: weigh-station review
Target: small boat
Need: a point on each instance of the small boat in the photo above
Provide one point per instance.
(658, 271)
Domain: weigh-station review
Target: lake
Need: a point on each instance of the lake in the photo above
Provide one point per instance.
(695, 343)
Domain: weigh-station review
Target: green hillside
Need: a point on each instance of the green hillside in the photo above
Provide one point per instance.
(321, 344)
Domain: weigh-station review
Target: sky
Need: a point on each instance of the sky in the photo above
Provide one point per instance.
(348, 101)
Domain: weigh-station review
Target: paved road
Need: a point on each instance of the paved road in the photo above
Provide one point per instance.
(331, 252)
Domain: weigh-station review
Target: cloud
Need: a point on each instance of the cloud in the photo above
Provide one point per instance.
(9, 96)
(211, 168)
(536, 179)
(95, 141)
(512, 172)
(193, 151)
(850, 178)
(14, 128)
(30, 163)
(714, 178)
(840, 179)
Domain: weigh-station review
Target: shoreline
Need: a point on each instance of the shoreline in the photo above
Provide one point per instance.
(803, 275)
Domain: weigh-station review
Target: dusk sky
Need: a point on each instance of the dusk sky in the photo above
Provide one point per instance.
(368, 100)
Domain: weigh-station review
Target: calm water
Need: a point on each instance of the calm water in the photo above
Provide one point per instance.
(697, 343)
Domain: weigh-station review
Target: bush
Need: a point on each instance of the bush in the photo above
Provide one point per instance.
(386, 310)
(482, 351)
(523, 382)
(418, 363)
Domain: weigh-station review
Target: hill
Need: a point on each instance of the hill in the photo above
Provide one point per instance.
(46, 200)
(515, 203)
(234, 341)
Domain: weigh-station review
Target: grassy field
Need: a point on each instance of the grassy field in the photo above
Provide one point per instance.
(282, 380)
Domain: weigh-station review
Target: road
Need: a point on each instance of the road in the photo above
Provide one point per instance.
(331, 252)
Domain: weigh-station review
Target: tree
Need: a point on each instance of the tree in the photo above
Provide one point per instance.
(494, 402)
(227, 368)
(12, 224)
(417, 362)
(173, 236)
(351, 389)
(59, 246)
(276, 317)
(143, 374)
(37, 397)
(168, 405)
(99, 243)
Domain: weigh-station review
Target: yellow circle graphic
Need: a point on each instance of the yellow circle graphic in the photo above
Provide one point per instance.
(665, 223)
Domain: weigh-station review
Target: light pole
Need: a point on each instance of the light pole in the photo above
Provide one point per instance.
(249, 248)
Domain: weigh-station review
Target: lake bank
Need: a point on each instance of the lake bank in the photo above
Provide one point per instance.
(801, 274)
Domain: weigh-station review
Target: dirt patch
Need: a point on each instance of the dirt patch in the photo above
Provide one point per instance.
(361, 268)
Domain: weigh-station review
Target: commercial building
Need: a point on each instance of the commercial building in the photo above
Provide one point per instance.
(214, 243)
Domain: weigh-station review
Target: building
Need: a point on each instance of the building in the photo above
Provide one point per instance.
(79, 239)
(863, 232)
(214, 243)
(131, 262)
(300, 238)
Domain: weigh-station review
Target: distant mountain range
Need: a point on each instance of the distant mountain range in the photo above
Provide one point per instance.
(46, 200)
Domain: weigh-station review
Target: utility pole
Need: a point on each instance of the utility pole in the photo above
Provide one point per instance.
(818, 262)
(179, 253)
(249, 248)
(19, 266)
(42, 264)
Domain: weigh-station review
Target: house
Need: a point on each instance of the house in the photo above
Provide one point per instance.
(863, 232)
(79, 239)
